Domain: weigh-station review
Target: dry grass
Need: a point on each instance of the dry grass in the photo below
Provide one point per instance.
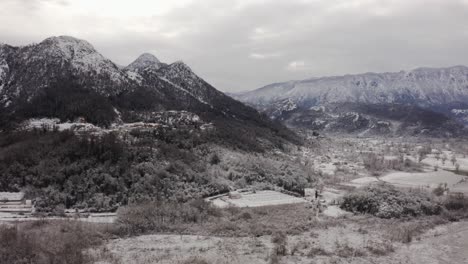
(238, 222)
(50, 242)
(195, 260)
(380, 248)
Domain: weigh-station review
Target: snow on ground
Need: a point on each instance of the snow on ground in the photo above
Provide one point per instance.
(428, 179)
(259, 198)
(362, 181)
(11, 196)
(330, 195)
(424, 179)
(460, 187)
(431, 160)
(327, 169)
(92, 218)
(158, 119)
(51, 123)
(335, 211)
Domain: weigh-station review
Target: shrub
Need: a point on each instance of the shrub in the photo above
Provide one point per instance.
(317, 251)
(195, 260)
(48, 242)
(439, 191)
(280, 240)
(214, 159)
(456, 202)
(386, 201)
(163, 216)
(380, 248)
(246, 216)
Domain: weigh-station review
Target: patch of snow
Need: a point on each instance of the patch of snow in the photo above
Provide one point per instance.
(256, 199)
(365, 180)
(335, 211)
(134, 76)
(432, 161)
(425, 179)
(318, 108)
(83, 57)
(4, 68)
(199, 98)
(11, 196)
(54, 123)
(356, 117)
(460, 111)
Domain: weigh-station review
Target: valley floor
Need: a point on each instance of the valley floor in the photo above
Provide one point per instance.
(335, 166)
(336, 237)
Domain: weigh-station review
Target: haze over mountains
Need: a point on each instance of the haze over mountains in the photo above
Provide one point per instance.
(326, 103)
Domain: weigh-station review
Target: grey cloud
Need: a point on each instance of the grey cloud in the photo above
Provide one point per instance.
(240, 45)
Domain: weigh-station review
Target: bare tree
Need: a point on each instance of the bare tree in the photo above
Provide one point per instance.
(453, 159)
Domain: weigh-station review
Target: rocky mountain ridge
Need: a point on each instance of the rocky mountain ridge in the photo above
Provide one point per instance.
(423, 92)
(66, 78)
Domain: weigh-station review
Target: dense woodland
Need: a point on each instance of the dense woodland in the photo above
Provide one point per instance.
(62, 170)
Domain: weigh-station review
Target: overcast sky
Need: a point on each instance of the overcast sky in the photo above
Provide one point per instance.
(245, 44)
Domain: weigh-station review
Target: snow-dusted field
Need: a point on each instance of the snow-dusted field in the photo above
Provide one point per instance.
(11, 196)
(424, 179)
(428, 179)
(93, 218)
(259, 198)
(433, 161)
(363, 181)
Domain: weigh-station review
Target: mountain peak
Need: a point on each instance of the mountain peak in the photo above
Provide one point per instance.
(148, 57)
(181, 66)
(68, 47)
(144, 61)
(64, 38)
(68, 41)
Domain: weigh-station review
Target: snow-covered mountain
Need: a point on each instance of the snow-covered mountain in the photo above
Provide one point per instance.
(26, 70)
(143, 62)
(426, 90)
(66, 78)
(423, 86)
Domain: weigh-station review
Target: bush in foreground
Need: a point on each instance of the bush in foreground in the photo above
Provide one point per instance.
(163, 216)
(386, 201)
(45, 242)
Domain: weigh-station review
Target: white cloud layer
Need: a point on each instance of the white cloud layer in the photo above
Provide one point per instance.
(244, 44)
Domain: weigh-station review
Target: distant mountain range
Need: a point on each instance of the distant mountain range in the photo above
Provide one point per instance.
(378, 102)
(67, 78)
